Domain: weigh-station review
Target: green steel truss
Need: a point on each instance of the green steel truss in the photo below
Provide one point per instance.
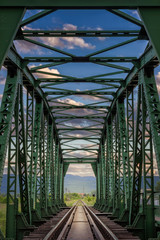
(38, 135)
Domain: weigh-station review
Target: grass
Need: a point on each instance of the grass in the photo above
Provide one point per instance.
(3, 217)
(89, 200)
(3, 206)
(71, 198)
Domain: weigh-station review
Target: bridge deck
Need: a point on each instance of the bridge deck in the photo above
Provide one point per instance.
(80, 227)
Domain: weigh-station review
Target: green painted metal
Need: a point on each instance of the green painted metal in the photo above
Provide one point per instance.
(110, 166)
(137, 168)
(113, 47)
(36, 17)
(143, 217)
(62, 33)
(12, 201)
(123, 144)
(10, 19)
(126, 17)
(29, 138)
(41, 142)
(49, 163)
(82, 4)
(44, 165)
(153, 105)
(47, 47)
(22, 157)
(36, 149)
(6, 113)
(118, 196)
(130, 135)
(150, 17)
(66, 166)
(17, 168)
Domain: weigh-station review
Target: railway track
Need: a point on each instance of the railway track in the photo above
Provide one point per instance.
(80, 223)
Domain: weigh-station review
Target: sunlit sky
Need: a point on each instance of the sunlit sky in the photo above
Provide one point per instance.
(80, 20)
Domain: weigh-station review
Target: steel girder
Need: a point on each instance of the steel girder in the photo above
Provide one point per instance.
(80, 4)
(142, 215)
(150, 17)
(122, 161)
(123, 144)
(17, 167)
(12, 201)
(7, 109)
(23, 155)
(29, 137)
(36, 148)
(10, 19)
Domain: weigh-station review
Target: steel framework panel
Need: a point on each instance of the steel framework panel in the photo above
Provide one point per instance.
(7, 109)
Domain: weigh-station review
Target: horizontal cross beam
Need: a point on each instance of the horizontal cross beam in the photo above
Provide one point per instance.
(78, 93)
(79, 138)
(86, 161)
(93, 33)
(79, 59)
(79, 107)
(81, 80)
(80, 4)
(80, 149)
(79, 117)
(79, 129)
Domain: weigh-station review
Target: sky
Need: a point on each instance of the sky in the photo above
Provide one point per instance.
(79, 20)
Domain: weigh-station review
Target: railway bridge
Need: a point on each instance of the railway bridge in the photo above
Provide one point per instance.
(44, 127)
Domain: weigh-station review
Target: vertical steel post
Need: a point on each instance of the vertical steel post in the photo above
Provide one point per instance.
(22, 159)
(130, 136)
(143, 216)
(36, 150)
(6, 113)
(29, 139)
(12, 201)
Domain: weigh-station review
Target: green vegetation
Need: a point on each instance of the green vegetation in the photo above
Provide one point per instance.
(157, 187)
(71, 198)
(3, 201)
(3, 205)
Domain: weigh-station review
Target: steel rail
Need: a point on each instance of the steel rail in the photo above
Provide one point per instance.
(55, 232)
(105, 231)
(99, 230)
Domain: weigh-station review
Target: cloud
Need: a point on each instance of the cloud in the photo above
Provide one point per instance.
(82, 122)
(70, 101)
(158, 82)
(27, 47)
(80, 170)
(81, 112)
(73, 42)
(101, 38)
(91, 98)
(4, 68)
(65, 42)
(2, 80)
(68, 26)
(48, 70)
(77, 112)
(80, 154)
(68, 42)
(79, 133)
